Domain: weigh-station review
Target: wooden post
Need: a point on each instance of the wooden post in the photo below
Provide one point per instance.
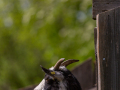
(107, 14)
(96, 62)
(108, 49)
(100, 6)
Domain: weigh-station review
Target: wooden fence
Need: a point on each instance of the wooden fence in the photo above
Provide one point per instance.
(107, 43)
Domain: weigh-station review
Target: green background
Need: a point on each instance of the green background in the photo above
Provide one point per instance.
(39, 32)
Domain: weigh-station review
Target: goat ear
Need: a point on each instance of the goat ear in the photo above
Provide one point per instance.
(54, 74)
(47, 71)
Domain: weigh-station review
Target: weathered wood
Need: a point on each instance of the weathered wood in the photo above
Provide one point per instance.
(96, 62)
(108, 50)
(84, 74)
(95, 42)
(94, 88)
(100, 6)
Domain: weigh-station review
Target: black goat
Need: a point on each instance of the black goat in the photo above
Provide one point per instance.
(59, 78)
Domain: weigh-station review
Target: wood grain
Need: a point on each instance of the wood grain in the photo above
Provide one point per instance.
(84, 74)
(108, 50)
(99, 7)
(96, 62)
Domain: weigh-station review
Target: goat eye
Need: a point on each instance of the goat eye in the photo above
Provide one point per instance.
(52, 72)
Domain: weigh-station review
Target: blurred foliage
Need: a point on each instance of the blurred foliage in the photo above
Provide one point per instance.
(39, 32)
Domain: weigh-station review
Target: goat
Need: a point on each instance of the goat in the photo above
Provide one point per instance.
(59, 77)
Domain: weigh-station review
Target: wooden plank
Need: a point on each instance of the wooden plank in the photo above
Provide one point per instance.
(96, 62)
(95, 41)
(95, 37)
(108, 50)
(84, 74)
(99, 7)
(94, 88)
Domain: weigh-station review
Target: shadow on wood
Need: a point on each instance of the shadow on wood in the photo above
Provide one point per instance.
(84, 74)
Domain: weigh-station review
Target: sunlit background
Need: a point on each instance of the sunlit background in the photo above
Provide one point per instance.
(39, 32)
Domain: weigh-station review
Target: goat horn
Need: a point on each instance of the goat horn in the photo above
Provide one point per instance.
(56, 67)
(68, 62)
